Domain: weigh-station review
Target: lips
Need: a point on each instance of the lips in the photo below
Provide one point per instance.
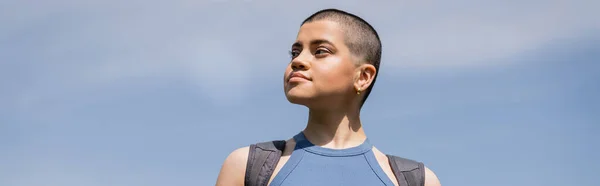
(298, 76)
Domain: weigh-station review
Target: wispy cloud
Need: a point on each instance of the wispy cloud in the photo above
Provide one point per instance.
(76, 76)
(220, 46)
(466, 33)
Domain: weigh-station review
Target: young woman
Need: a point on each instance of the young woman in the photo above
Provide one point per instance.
(334, 64)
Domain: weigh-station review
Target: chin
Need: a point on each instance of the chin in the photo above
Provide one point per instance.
(298, 97)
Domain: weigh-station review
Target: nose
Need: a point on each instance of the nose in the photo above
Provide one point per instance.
(300, 64)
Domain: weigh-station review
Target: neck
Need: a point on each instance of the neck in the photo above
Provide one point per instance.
(335, 129)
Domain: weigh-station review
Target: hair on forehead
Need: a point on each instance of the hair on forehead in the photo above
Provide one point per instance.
(360, 37)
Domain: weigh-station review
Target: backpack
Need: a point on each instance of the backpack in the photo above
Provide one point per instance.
(263, 158)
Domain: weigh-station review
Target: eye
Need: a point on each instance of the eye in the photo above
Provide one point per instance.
(294, 53)
(321, 52)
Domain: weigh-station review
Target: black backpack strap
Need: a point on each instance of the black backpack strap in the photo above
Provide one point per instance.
(262, 160)
(408, 172)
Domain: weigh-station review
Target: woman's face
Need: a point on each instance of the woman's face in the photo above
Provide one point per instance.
(322, 71)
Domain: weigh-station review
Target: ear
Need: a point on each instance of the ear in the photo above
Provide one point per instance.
(365, 74)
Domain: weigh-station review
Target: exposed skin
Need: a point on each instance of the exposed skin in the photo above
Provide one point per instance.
(333, 76)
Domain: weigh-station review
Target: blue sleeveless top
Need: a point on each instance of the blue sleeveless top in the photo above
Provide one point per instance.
(313, 165)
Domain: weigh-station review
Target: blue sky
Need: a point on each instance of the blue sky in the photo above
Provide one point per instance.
(158, 93)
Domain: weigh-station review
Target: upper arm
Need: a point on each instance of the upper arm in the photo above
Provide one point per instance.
(430, 178)
(234, 168)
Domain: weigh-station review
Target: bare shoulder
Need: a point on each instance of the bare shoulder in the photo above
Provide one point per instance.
(430, 178)
(234, 168)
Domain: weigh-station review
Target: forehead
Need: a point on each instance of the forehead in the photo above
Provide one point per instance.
(321, 30)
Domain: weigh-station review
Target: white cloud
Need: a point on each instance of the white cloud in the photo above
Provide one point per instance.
(217, 45)
(468, 34)
(73, 48)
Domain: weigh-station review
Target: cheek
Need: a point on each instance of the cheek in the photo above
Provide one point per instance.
(336, 77)
(287, 71)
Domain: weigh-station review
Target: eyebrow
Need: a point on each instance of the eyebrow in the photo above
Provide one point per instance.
(313, 42)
